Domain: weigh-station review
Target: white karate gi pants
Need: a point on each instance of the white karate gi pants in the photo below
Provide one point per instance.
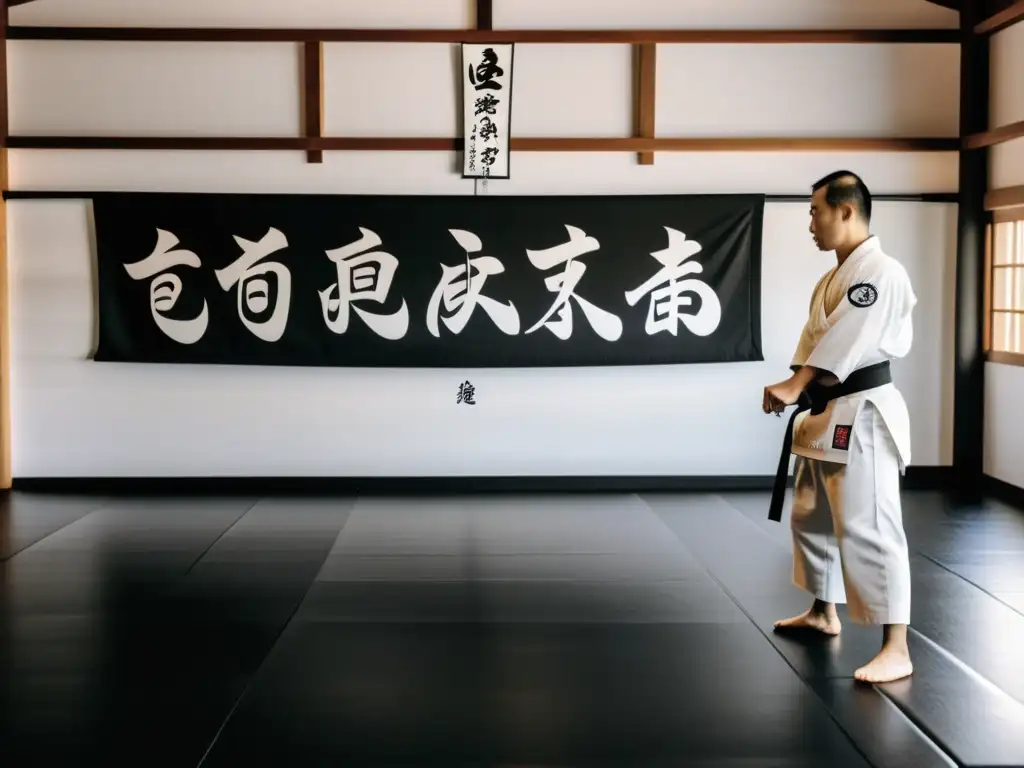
(849, 545)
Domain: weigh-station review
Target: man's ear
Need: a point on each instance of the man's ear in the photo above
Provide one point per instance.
(847, 212)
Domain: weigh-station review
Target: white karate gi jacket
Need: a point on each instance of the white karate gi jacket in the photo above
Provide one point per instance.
(860, 314)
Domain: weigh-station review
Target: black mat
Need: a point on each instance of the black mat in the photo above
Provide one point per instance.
(348, 693)
(604, 630)
(973, 720)
(133, 632)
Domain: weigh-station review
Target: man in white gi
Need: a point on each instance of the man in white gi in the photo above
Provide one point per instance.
(848, 537)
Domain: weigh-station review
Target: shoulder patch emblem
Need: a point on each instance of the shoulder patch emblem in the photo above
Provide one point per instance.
(862, 295)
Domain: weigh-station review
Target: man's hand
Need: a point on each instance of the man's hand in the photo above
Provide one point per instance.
(778, 396)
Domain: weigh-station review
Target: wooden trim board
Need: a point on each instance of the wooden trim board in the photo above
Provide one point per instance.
(1000, 21)
(569, 36)
(917, 478)
(518, 144)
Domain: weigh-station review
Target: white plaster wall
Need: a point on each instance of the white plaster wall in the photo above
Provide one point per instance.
(73, 417)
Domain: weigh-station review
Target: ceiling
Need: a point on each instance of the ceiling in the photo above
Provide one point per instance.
(990, 6)
(954, 4)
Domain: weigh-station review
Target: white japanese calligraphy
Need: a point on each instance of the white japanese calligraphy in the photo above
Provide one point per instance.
(677, 293)
(166, 287)
(460, 290)
(364, 274)
(254, 288)
(607, 325)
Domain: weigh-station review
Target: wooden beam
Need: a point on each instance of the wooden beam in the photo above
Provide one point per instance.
(1003, 215)
(519, 144)
(484, 14)
(313, 97)
(970, 308)
(5, 291)
(1004, 197)
(161, 142)
(1005, 18)
(802, 199)
(1000, 135)
(992, 7)
(646, 61)
(735, 144)
(986, 332)
(5, 340)
(1006, 358)
(581, 36)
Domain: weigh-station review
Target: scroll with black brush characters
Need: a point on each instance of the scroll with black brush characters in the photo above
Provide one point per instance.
(487, 109)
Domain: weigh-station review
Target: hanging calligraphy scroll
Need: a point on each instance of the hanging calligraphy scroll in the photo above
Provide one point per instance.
(487, 109)
(413, 281)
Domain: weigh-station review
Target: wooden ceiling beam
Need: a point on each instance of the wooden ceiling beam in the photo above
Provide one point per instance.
(581, 36)
(1004, 18)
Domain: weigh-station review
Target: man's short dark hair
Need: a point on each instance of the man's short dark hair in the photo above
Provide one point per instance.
(846, 187)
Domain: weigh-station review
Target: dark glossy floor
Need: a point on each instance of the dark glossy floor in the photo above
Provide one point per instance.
(604, 630)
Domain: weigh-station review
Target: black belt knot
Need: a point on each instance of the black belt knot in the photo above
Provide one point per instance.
(815, 398)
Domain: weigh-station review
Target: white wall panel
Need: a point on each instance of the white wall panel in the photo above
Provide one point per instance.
(722, 14)
(163, 89)
(445, 14)
(807, 90)
(75, 417)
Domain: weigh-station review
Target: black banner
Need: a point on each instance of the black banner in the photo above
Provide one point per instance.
(336, 280)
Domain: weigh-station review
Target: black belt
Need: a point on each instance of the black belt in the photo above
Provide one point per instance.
(814, 399)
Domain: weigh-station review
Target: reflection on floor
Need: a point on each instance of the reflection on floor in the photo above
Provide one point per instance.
(485, 631)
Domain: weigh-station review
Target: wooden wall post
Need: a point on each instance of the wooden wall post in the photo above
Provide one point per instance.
(645, 64)
(313, 96)
(485, 14)
(5, 292)
(969, 386)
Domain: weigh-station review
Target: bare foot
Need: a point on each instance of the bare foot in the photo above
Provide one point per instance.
(890, 664)
(825, 622)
